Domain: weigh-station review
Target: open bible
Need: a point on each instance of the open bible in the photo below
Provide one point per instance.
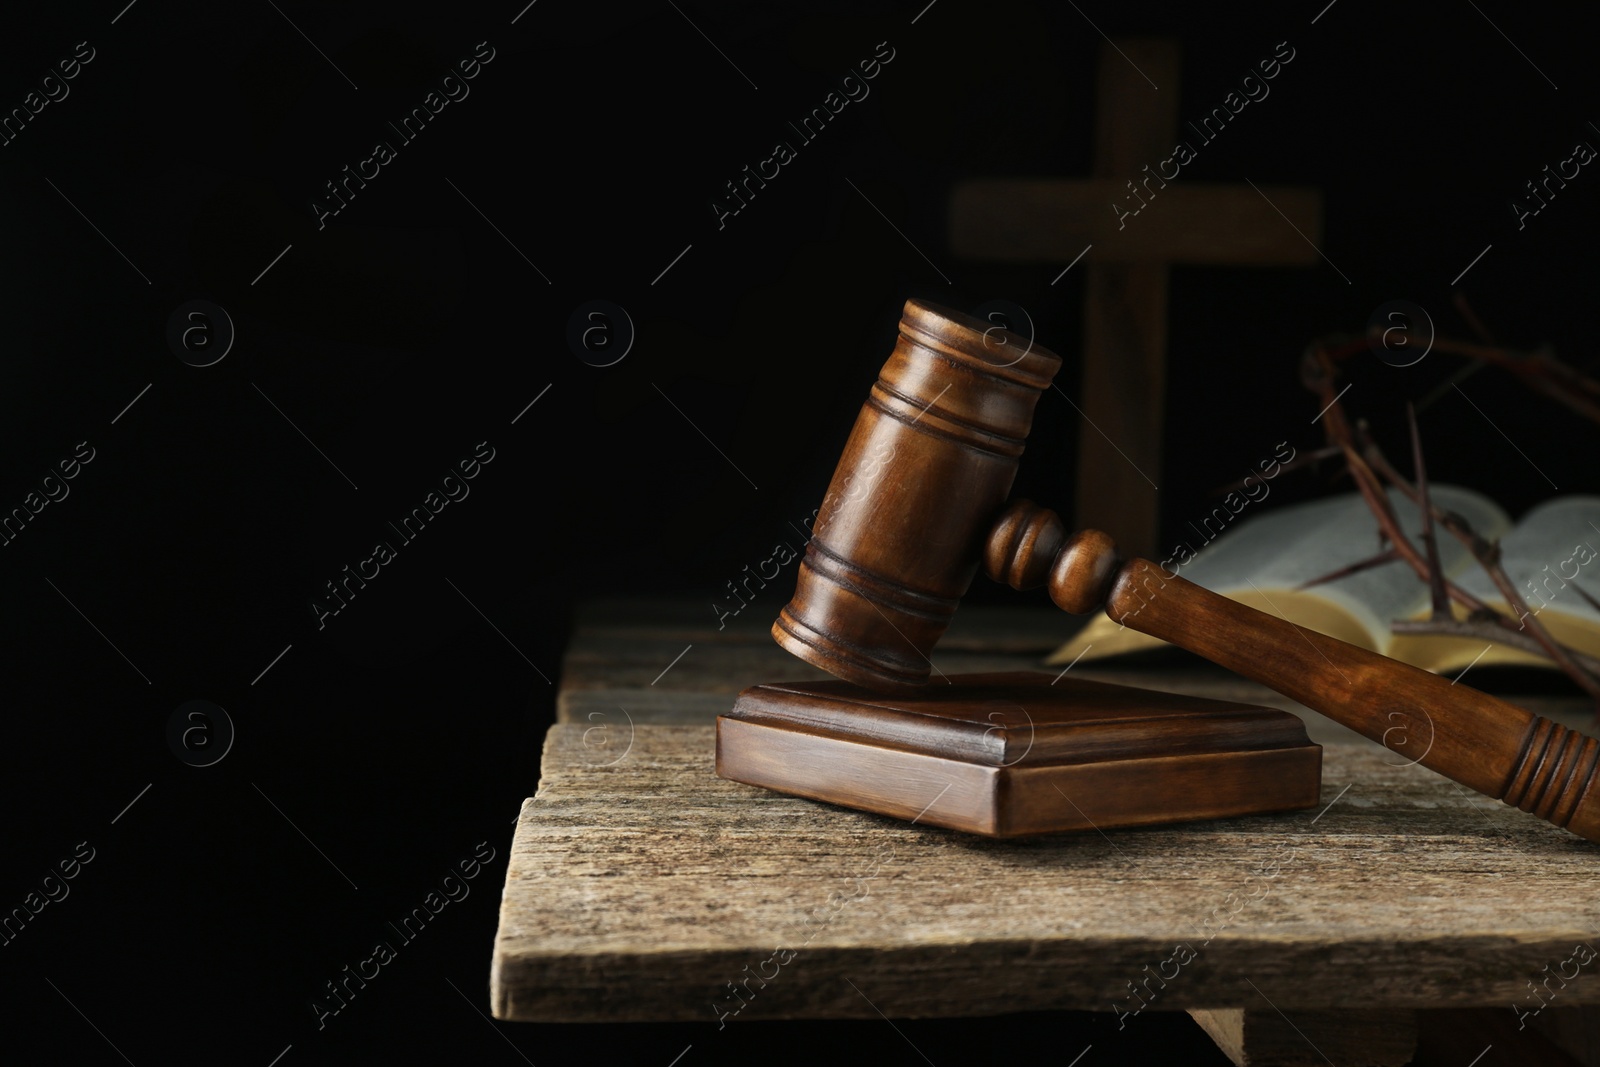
(1264, 560)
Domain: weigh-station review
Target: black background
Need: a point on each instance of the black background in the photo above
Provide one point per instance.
(410, 329)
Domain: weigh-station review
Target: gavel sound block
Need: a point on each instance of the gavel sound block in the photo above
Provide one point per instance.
(918, 501)
(1011, 754)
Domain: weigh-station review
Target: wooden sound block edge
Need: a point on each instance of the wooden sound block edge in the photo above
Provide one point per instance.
(1019, 800)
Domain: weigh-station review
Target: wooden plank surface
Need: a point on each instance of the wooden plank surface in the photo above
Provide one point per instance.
(667, 660)
(623, 664)
(641, 886)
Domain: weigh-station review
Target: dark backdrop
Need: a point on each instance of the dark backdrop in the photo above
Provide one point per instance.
(423, 318)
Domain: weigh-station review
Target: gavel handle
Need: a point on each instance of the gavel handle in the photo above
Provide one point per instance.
(1499, 749)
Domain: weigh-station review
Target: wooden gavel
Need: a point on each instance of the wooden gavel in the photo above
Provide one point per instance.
(919, 499)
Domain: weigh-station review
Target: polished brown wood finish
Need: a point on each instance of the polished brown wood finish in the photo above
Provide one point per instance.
(880, 581)
(1010, 754)
(1497, 748)
(951, 407)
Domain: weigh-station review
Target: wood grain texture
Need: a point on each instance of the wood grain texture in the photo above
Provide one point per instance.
(918, 500)
(1541, 765)
(620, 646)
(1017, 753)
(1485, 743)
(951, 408)
(641, 885)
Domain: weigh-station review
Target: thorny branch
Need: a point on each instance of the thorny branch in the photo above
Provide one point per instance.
(1371, 471)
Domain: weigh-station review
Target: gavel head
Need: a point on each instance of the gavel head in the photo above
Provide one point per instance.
(924, 474)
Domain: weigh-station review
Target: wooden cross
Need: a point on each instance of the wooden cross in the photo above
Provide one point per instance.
(1128, 260)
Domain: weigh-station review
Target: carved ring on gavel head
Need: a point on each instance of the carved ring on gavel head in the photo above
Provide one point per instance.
(918, 501)
(929, 464)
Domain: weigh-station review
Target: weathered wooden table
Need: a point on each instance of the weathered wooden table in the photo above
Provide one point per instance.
(643, 887)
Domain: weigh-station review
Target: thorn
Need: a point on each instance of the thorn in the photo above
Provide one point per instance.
(1441, 599)
(1387, 556)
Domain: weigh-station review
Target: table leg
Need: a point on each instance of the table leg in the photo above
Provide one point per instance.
(1373, 1038)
